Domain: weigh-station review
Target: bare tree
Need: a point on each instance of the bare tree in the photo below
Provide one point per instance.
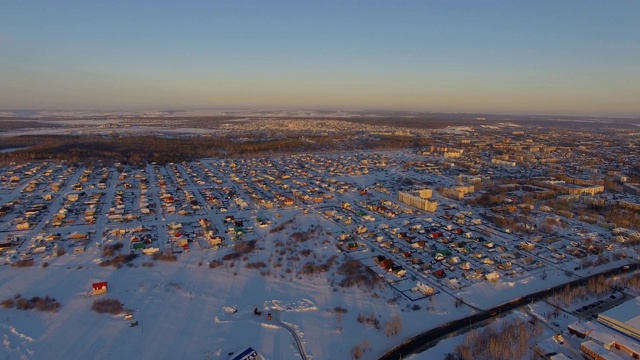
(356, 352)
(365, 345)
(450, 356)
(339, 311)
(507, 341)
(393, 326)
(458, 302)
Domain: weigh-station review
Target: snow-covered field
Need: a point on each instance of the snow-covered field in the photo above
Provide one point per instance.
(183, 311)
(187, 310)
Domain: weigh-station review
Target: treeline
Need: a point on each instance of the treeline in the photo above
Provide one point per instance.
(24, 124)
(509, 340)
(622, 217)
(631, 282)
(137, 150)
(398, 141)
(596, 287)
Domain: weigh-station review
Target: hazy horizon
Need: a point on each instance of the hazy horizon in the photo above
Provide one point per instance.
(197, 112)
(546, 57)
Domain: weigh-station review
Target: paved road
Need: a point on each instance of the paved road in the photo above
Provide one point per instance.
(276, 319)
(429, 338)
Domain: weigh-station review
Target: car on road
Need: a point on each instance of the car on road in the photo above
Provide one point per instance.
(493, 313)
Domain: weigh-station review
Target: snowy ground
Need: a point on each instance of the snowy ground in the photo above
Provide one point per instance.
(182, 309)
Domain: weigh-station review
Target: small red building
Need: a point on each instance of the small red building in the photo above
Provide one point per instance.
(99, 288)
(386, 264)
(440, 274)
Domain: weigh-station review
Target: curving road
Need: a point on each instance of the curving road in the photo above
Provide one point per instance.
(274, 321)
(275, 317)
(429, 338)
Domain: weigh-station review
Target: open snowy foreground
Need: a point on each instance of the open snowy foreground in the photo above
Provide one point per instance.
(187, 310)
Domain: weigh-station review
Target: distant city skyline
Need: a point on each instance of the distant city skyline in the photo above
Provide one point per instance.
(539, 57)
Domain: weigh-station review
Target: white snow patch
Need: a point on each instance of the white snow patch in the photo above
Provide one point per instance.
(291, 305)
(20, 335)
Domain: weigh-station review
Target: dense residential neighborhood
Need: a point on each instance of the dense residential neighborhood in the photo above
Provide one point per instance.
(483, 216)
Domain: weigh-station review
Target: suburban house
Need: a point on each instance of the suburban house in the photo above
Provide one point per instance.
(24, 225)
(440, 274)
(99, 288)
(386, 264)
(247, 354)
(424, 289)
(492, 276)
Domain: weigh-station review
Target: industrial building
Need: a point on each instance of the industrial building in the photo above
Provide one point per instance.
(624, 318)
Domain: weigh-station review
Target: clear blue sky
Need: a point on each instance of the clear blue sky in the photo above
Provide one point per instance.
(539, 56)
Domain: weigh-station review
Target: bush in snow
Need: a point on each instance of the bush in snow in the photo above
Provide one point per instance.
(356, 274)
(370, 319)
(8, 303)
(215, 263)
(166, 256)
(41, 304)
(110, 306)
(23, 263)
(256, 265)
(244, 247)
